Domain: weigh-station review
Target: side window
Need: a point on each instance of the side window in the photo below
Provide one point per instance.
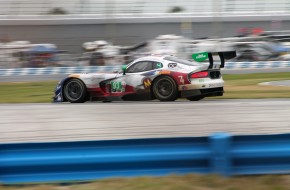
(140, 67)
(157, 65)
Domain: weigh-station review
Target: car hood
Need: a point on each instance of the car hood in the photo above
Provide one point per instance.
(100, 76)
(92, 80)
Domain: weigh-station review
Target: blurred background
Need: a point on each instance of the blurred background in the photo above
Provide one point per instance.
(69, 36)
(50, 33)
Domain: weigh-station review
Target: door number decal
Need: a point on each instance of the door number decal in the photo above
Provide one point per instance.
(181, 79)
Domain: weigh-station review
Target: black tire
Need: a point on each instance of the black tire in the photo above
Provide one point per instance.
(75, 91)
(195, 98)
(165, 89)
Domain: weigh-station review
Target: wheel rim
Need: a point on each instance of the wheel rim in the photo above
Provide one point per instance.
(73, 90)
(164, 88)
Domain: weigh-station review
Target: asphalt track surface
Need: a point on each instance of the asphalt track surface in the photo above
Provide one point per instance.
(34, 78)
(149, 119)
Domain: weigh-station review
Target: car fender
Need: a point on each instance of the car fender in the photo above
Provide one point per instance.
(157, 77)
(59, 88)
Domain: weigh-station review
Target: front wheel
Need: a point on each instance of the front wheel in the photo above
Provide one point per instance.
(165, 89)
(75, 91)
(195, 98)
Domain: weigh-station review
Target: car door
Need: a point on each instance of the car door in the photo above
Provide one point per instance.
(133, 79)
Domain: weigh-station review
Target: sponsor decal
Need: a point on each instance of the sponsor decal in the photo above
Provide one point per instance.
(172, 65)
(74, 76)
(123, 86)
(59, 98)
(164, 72)
(184, 88)
(181, 79)
(118, 86)
(159, 65)
(199, 57)
(58, 87)
(147, 83)
(215, 85)
(200, 80)
(150, 73)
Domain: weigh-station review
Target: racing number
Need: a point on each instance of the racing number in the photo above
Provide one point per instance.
(159, 65)
(118, 86)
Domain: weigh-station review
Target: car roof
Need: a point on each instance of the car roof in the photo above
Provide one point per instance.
(154, 57)
(165, 58)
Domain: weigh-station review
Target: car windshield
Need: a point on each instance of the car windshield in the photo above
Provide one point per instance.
(182, 61)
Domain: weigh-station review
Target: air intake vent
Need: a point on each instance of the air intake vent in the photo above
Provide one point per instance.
(215, 74)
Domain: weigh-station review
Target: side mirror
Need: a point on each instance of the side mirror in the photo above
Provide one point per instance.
(124, 67)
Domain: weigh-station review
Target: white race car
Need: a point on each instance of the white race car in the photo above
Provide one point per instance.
(165, 78)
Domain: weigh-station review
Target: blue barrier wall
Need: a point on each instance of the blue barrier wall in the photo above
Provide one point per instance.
(221, 153)
(92, 69)
(268, 154)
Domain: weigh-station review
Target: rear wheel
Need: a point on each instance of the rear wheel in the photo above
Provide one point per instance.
(195, 98)
(75, 91)
(165, 89)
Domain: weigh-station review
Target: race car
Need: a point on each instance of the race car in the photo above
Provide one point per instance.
(165, 78)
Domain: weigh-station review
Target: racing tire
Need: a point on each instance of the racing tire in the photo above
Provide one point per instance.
(165, 89)
(195, 98)
(75, 91)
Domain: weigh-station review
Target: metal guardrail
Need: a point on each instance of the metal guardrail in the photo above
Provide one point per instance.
(220, 153)
(94, 69)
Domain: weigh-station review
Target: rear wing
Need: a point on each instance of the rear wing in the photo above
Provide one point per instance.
(224, 55)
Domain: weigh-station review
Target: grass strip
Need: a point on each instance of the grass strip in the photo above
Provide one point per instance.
(238, 86)
(244, 86)
(27, 92)
(173, 182)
